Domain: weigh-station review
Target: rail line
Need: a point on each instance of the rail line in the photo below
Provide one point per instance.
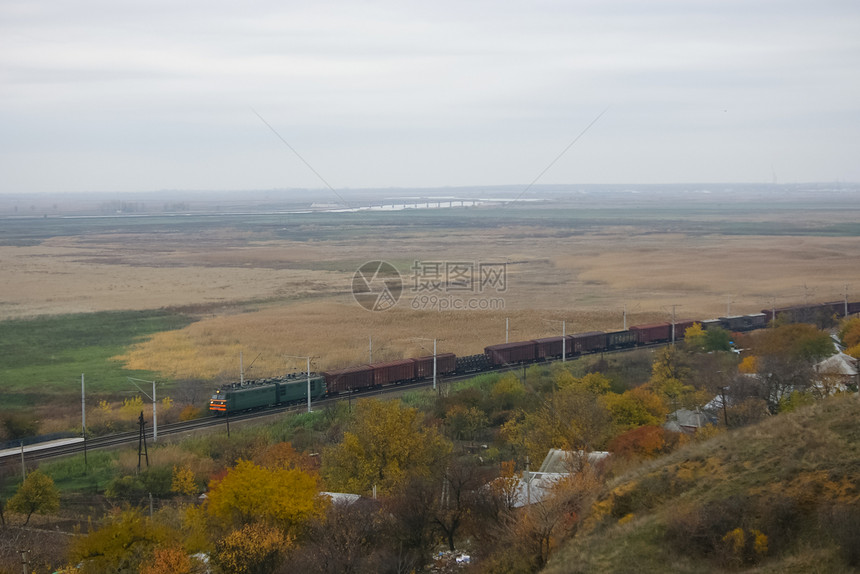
(212, 422)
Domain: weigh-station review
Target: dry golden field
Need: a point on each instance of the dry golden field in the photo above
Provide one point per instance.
(270, 296)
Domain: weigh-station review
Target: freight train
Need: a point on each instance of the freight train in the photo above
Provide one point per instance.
(293, 388)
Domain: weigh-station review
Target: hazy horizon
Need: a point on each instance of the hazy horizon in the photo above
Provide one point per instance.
(135, 96)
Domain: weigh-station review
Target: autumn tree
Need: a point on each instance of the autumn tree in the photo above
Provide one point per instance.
(508, 392)
(169, 559)
(671, 379)
(183, 481)
(644, 442)
(785, 356)
(798, 341)
(123, 541)
(250, 493)
(37, 494)
(350, 538)
(525, 539)
(849, 334)
(634, 408)
(465, 422)
(411, 509)
(283, 455)
(460, 481)
(570, 419)
(252, 549)
(694, 337)
(594, 383)
(385, 445)
(749, 365)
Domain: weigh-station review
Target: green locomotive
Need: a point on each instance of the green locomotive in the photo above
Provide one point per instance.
(250, 395)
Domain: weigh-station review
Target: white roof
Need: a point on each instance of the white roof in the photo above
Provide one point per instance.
(838, 364)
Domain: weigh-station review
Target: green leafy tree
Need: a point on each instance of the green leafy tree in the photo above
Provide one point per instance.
(385, 444)
(37, 494)
(717, 339)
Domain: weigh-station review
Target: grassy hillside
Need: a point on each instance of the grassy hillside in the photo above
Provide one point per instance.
(46, 355)
(782, 496)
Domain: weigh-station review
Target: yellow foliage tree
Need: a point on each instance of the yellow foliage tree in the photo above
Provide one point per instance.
(183, 481)
(694, 337)
(385, 445)
(570, 419)
(286, 498)
(252, 549)
(635, 407)
(168, 560)
(850, 332)
(132, 406)
(123, 542)
(749, 365)
(508, 391)
(36, 494)
(669, 379)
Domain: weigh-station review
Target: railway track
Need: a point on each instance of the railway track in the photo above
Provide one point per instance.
(210, 422)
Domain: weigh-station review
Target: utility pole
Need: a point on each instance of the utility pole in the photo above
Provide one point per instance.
(845, 314)
(371, 350)
(84, 421)
(241, 370)
(625, 316)
(23, 465)
(434, 364)
(773, 311)
(308, 373)
(728, 306)
(506, 329)
(152, 398)
(141, 442)
(434, 356)
(563, 341)
(673, 323)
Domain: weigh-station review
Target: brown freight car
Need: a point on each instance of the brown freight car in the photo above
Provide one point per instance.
(653, 333)
(510, 353)
(393, 372)
(681, 328)
(352, 378)
(549, 347)
(588, 342)
(446, 363)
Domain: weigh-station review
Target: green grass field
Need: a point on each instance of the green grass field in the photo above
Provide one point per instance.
(47, 355)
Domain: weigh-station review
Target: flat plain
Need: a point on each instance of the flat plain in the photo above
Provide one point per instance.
(273, 285)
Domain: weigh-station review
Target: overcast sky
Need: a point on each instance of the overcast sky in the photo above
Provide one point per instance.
(146, 95)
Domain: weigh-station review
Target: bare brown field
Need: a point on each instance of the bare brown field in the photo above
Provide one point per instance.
(270, 297)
